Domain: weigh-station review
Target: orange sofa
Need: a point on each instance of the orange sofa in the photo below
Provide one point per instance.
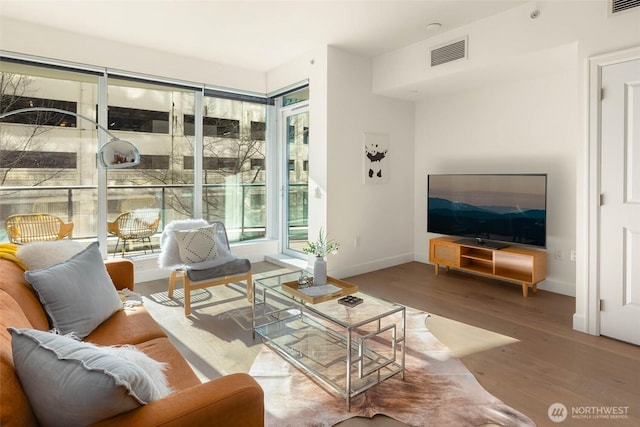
(231, 400)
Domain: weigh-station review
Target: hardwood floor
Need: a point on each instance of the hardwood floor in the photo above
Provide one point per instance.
(549, 363)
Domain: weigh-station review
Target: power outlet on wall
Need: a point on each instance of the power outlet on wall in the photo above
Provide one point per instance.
(558, 254)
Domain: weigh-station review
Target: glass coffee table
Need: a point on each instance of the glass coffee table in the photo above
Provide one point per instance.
(348, 349)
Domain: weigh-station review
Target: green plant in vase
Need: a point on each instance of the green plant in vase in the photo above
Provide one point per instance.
(320, 249)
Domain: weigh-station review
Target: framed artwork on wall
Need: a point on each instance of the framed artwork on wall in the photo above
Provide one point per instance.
(376, 158)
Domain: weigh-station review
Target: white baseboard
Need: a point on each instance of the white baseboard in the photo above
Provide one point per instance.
(558, 287)
(422, 257)
(379, 264)
(580, 323)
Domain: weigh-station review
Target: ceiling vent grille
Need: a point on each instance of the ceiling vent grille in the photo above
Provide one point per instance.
(622, 5)
(452, 51)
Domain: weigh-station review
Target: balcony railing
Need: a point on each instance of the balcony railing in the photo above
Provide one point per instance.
(242, 207)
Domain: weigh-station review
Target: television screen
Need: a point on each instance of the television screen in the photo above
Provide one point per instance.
(489, 208)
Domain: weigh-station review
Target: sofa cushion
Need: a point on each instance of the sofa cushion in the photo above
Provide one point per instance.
(77, 294)
(230, 268)
(37, 255)
(179, 373)
(73, 383)
(132, 325)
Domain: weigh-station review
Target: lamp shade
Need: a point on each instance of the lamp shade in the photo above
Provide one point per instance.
(118, 154)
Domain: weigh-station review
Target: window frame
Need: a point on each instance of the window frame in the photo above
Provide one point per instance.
(103, 77)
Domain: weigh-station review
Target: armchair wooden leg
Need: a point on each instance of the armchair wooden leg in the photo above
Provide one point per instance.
(249, 287)
(186, 286)
(187, 295)
(172, 282)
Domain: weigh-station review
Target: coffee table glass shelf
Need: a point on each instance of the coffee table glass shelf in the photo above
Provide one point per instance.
(348, 349)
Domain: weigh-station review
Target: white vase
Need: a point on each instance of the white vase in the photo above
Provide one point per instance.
(320, 271)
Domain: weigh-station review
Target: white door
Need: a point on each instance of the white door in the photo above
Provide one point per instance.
(620, 210)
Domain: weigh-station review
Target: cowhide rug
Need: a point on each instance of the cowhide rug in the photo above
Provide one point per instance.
(437, 390)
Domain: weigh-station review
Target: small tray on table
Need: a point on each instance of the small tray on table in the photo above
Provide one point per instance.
(346, 288)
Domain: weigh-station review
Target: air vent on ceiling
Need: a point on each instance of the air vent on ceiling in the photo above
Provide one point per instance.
(622, 5)
(452, 51)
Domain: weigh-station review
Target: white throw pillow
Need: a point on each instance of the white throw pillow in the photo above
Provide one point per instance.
(72, 383)
(37, 255)
(197, 245)
(170, 255)
(153, 369)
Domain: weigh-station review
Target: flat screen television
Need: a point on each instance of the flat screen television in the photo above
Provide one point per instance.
(490, 210)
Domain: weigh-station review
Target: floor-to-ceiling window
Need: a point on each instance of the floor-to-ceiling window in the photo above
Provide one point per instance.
(152, 116)
(201, 156)
(233, 163)
(48, 159)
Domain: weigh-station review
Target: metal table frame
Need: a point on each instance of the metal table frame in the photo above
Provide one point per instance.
(371, 366)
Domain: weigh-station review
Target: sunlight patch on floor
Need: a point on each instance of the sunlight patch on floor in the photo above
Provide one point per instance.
(464, 339)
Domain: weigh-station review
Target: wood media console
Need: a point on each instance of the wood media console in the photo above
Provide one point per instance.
(526, 266)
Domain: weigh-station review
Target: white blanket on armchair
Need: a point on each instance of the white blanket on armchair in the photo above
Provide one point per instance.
(170, 253)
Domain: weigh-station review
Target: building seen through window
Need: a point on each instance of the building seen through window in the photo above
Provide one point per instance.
(138, 120)
(48, 161)
(12, 102)
(213, 126)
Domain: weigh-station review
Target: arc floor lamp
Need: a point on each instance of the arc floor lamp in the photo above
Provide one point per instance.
(115, 154)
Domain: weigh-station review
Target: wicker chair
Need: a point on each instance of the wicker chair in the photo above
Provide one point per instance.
(36, 227)
(138, 225)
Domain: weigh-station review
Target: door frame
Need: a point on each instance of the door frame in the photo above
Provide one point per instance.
(283, 152)
(591, 301)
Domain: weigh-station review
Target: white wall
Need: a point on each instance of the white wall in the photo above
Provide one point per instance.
(373, 222)
(40, 40)
(509, 55)
(507, 46)
(527, 126)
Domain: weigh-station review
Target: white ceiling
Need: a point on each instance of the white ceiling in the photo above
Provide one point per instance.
(256, 35)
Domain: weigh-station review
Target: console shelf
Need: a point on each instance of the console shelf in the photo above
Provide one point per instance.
(526, 266)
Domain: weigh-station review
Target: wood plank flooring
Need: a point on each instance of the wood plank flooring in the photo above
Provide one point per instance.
(549, 363)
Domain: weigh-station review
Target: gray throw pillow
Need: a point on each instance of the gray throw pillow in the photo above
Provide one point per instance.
(78, 294)
(72, 383)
